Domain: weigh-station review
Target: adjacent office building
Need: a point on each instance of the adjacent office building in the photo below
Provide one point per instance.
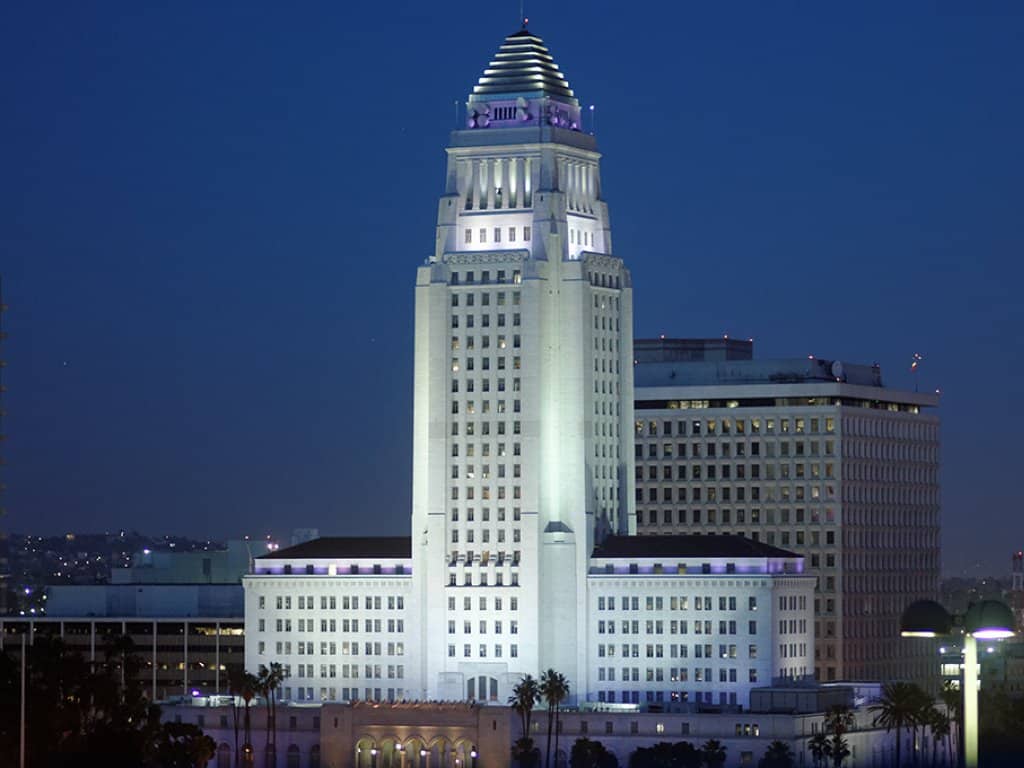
(183, 611)
(813, 455)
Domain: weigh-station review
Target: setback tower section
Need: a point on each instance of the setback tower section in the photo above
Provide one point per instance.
(523, 388)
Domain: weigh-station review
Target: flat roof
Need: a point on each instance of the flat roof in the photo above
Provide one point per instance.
(345, 546)
(687, 545)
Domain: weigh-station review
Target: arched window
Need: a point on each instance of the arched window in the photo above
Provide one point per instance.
(482, 688)
(224, 756)
(294, 758)
(314, 756)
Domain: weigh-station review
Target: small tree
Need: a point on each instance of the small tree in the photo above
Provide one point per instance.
(839, 720)
(183, 745)
(591, 754)
(818, 746)
(714, 753)
(778, 755)
(525, 753)
(685, 755)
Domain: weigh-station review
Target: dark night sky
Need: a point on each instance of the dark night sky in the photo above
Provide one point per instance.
(210, 220)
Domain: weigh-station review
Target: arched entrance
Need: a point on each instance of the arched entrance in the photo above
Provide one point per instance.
(367, 754)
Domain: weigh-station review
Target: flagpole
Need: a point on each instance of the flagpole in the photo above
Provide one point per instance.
(915, 365)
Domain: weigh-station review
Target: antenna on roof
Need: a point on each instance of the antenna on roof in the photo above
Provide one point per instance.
(522, 13)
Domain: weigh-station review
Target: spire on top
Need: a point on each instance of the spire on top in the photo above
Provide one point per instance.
(523, 67)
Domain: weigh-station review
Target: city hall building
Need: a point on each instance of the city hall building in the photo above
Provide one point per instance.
(522, 554)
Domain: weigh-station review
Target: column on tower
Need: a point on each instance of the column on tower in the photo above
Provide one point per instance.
(488, 175)
(472, 198)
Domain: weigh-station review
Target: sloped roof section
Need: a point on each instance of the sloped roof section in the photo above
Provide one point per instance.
(682, 545)
(345, 546)
(523, 66)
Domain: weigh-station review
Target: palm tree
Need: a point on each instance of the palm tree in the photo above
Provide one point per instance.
(895, 710)
(921, 718)
(714, 753)
(818, 746)
(554, 689)
(838, 720)
(838, 750)
(524, 696)
(119, 650)
(263, 689)
(953, 699)
(248, 688)
(270, 680)
(235, 675)
(939, 725)
(778, 755)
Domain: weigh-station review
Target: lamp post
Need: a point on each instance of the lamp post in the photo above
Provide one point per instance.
(401, 755)
(473, 756)
(984, 620)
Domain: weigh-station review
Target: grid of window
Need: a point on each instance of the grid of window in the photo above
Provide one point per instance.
(321, 638)
(692, 646)
(847, 491)
(606, 339)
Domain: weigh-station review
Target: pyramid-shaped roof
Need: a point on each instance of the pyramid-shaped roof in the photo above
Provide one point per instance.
(523, 66)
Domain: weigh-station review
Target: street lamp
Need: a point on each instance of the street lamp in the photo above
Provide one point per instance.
(987, 620)
(473, 755)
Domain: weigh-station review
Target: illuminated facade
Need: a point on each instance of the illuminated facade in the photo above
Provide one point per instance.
(521, 556)
(523, 381)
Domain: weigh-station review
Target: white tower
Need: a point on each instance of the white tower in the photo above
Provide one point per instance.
(522, 439)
